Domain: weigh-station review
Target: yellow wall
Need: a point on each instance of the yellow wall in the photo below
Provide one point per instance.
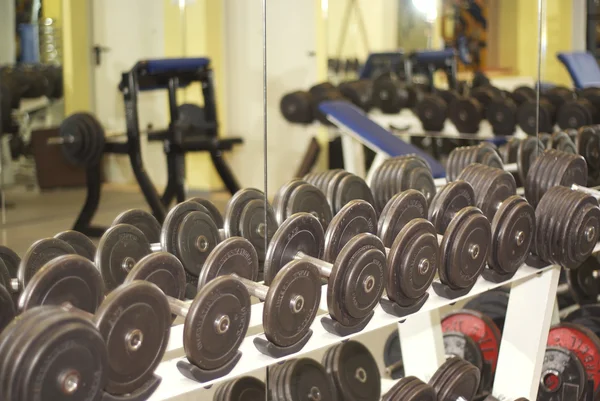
(76, 55)
(559, 17)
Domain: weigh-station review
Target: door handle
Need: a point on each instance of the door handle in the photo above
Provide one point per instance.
(98, 50)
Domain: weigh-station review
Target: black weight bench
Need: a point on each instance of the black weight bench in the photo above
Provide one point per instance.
(177, 139)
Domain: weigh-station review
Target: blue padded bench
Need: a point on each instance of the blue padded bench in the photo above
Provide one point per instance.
(583, 68)
(155, 74)
(355, 122)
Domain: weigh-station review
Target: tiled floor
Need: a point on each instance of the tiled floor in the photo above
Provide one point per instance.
(34, 215)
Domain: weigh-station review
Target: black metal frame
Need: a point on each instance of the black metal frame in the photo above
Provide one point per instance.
(176, 143)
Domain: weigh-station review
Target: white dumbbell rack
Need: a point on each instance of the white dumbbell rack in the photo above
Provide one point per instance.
(530, 311)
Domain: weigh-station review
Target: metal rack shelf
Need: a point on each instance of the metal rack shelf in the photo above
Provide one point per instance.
(529, 315)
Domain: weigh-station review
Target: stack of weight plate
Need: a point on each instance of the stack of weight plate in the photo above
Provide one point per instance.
(398, 174)
(340, 187)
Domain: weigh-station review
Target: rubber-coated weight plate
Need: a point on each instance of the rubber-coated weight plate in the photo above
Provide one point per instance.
(235, 207)
(245, 388)
(292, 303)
(560, 140)
(169, 233)
(209, 345)
(308, 198)
(10, 259)
(197, 236)
(350, 188)
(464, 248)
(281, 198)
(7, 308)
(412, 261)
(301, 232)
(357, 279)
(356, 217)
(355, 372)
(234, 255)
(38, 254)
(254, 227)
(584, 285)
(306, 379)
(80, 242)
(68, 279)
(212, 210)
(399, 211)
(529, 149)
(142, 220)
(449, 200)
(587, 143)
(463, 383)
(119, 249)
(562, 375)
(163, 270)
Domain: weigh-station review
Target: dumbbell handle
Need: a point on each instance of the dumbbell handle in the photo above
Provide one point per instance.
(324, 267)
(15, 285)
(60, 140)
(255, 289)
(590, 191)
(509, 168)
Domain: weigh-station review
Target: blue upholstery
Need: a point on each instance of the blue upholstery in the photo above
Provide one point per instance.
(582, 67)
(355, 122)
(167, 65)
(433, 56)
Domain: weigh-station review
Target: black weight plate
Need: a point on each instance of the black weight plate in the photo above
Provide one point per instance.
(235, 207)
(462, 346)
(197, 236)
(513, 232)
(583, 343)
(71, 346)
(399, 388)
(310, 199)
(562, 141)
(480, 328)
(355, 373)
(38, 254)
(234, 255)
(464, 248)
(169, 233)
(163, 270)
(420, 392)
(80, 242)
(432, 111)
(281, 199)
(392, 354)
(356, 217)
(254, 227)
(466, 114)
(399, 211)
(7, 308)
(5, 278)
(357, 279)
(449, 200)
(587, 143)
(301, 232)
(523, 93)
(562, 374)
(584, 286)
(332, 186)
(72, 131)
(138, 313)
(245, 388)
(502, 115)
(204, 346)
(440, 374)
(350, 188)
(212, 210)
(491, 186)
(305, 378)
(583, 232)
(412, 261)
(10, 259)
(416, 174)
(142, 220)
(529, 149)
(464, 383)
(95, 136)
(508, 152)
(119, 249)
(292, 303)
(68, 279)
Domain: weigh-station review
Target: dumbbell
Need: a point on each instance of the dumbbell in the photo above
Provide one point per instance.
(300, 379)
(299, 196)
(549, 104)
(467, 112)
(399, 174)
(354, 371)
(339, 186)
(359, 92)
(245, 387)
(356, 276)
(291, 298)
(216, 321)
(512, 218)
(582, 111)
(432, 109)
(61, 356)
(455, 380)
(501, 111)
(391, 95)
(486, 336)
(571, 363)
(322, 92)
(410, 388)
(303, 107)
(82, 139)
(133, 319)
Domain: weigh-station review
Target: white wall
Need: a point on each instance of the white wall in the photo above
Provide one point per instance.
(291, 66)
